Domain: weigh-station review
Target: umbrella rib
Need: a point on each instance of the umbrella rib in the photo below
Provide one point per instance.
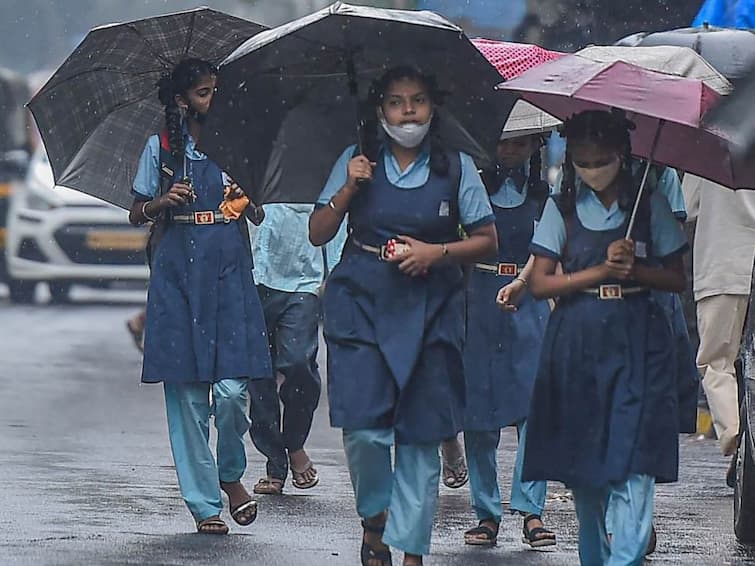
(167, 63)
(69, 78)
(190, 34)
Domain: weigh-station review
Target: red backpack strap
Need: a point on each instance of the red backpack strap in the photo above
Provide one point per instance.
(164, 141)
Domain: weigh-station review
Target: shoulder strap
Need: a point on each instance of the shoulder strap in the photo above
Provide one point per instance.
(168, 163)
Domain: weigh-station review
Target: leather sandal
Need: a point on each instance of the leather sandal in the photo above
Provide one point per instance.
(539, 536)
(368, 553)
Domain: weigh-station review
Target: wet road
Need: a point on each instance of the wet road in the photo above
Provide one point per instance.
(87, 477)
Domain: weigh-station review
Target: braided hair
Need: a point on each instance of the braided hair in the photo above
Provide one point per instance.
(537, 188)
(610, 130)
(371, 138)
(184, 76)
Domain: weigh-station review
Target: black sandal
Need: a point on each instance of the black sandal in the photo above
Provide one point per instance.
(539, 536)
(491, 536)
(369, 553)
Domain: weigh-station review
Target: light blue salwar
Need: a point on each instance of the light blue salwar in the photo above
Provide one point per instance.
(631, 515)
(526, 497)
(408, 490)
(188, 409)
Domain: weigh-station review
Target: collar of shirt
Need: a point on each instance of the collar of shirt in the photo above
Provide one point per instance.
(593, 214)
(191, 150)
(414, 175)
(509, 195)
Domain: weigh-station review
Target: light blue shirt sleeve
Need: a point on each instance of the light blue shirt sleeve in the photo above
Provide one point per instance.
(474, 204)
(666, 231)
(549, 238)
(147, 179)
(670, 187)
(338, 176)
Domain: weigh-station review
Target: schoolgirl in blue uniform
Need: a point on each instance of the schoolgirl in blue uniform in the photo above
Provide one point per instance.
(205, 329)
(395, 329)
(502, 349)
(604, 415)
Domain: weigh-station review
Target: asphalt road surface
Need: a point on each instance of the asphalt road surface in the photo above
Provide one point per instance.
(87, 475)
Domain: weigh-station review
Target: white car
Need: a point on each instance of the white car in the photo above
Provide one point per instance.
(63, 237)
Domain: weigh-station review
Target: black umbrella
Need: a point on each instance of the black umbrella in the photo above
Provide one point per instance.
(735, 116)
(293, 90)
(98, 109)
(730, 51)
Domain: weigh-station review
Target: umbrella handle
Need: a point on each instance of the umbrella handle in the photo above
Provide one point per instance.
(636, 207)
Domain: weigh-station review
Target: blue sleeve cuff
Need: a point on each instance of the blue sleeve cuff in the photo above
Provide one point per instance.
(139, 196)
(484, 221)
(537, 249)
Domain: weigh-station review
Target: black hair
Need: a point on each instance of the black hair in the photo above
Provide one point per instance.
(610, 130)
(536, 188)
(370, 142)
(185, 75)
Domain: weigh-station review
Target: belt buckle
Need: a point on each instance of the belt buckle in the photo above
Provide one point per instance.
(204, 217)
(610, 292)
(507, 269)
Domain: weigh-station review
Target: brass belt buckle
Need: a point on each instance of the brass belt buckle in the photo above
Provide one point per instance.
(610, 292)
(507, 269)
(204, 217)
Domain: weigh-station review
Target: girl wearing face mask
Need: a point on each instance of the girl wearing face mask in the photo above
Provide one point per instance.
(205, 331)
(394, 316)
(502, 348)
(604, 416)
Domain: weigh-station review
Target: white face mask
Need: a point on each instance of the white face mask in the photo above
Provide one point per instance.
(407, 135)
(599, 178)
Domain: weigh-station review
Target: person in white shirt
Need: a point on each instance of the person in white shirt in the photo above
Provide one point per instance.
(723, 256)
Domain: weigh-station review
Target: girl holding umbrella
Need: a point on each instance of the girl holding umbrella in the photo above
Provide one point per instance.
(205, 333)
(604, 416)
(394, 308)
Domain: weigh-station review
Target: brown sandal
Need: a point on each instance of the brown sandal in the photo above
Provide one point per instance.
(268, 486)
(212, 526)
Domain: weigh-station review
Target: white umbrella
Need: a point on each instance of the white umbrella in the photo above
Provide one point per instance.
(671, 60)
(526, 119)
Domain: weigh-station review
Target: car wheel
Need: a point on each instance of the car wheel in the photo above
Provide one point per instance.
(744, 490)
(21, 291)
(60, 292)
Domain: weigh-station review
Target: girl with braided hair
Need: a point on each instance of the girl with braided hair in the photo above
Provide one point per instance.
(394, 308)
(205, 332)
(502, 348)
(604, 413)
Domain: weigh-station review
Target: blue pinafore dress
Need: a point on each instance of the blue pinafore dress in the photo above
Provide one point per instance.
(395, 341)
(204, 317)
(605, 399)
(502, 349)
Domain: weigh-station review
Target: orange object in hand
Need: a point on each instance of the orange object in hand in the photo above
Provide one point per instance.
(233, 206)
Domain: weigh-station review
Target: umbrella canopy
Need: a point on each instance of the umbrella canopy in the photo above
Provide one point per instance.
(511, 60)
(667, 110)
(669, 59)
(98, 109)
(730, 51)
(321, 66)
(735, 118)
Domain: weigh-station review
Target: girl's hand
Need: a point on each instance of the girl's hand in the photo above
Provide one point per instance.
(178, 195)
(511, 295)
(619, 263)
(418, 258)
(360, 168)
(620, 250)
